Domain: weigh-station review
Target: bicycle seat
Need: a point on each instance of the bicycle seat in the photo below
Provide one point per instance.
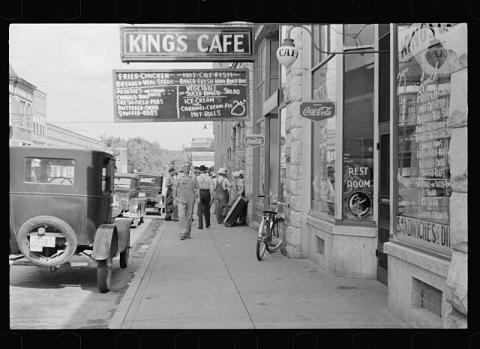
(269, 212)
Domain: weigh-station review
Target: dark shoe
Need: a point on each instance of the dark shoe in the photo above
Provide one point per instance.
(182, 237)
(200, 227)
(208, 226)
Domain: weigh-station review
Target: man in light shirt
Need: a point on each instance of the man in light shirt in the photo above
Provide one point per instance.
(184, 194)
(220, 191)
(203, 201)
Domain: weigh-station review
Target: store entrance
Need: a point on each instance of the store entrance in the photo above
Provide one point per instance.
(384, 152)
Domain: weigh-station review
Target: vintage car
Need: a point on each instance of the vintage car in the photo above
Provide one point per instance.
(151, 190)
(126, 189)
(62, 205)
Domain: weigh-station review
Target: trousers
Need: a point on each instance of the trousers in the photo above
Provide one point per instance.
(203, 209)
(185, 217)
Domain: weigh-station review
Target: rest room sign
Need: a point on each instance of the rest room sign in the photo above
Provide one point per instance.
(199, 43)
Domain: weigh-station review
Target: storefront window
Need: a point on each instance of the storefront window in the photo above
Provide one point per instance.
(432, 59)
(323, 145)
(358, 136)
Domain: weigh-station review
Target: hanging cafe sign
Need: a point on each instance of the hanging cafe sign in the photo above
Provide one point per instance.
(317, 110)
(199, 43)
(180, 95)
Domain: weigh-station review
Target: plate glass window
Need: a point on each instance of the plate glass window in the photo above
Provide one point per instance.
(431, 94)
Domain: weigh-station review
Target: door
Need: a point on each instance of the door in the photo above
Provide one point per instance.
(384, 152)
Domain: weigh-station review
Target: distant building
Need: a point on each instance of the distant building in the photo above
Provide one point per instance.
(39, 118)
(61, 137)
(201, 152)
(21, 105)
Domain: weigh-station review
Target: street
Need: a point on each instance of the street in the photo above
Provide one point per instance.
(69, 297)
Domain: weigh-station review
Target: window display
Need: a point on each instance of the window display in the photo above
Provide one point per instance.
(323, 147)
(358, 137)
(429, 55)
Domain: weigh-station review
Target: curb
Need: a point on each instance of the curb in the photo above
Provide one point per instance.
(126, 303)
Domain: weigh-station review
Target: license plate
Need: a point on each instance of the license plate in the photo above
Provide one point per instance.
(37, 243)
(141, 195)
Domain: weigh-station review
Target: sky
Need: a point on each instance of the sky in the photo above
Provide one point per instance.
(73, 63)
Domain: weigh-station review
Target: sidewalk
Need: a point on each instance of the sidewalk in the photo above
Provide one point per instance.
(215, 281)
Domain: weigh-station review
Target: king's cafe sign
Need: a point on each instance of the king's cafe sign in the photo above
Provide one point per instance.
(199, 43)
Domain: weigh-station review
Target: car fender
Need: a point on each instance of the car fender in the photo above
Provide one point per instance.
(123, 230)
(105, 244)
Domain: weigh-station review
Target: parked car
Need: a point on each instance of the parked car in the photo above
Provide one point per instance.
(62, 204)
(151, 190)
(127, 189)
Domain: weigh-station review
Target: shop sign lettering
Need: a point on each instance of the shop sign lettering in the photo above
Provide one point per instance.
(191, 43)
(317, 111)
(431, 232)
(255, 140)
(419, 36)
(180, 95)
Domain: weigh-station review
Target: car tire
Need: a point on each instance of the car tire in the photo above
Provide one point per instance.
(55, 222)
(104, 275)
(124, 256)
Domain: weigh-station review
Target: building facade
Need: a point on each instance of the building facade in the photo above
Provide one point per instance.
(379, 189)
(21, 106)
(63, 138)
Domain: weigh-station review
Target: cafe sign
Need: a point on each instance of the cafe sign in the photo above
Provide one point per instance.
(317, 110)
(255, 140)
(200, 43)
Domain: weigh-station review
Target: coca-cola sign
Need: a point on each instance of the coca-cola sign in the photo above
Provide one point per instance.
(317, 111)
(254, 140)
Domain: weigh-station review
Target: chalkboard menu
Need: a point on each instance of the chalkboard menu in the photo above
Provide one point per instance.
(180, 95)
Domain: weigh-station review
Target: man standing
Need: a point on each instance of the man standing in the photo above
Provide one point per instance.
(221, 195)
(184, 194)
(203, 201)
(241, 190)
(169, 195)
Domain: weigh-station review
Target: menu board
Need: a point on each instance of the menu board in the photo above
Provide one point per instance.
(180, 95)
(432, 136)
(424, 173)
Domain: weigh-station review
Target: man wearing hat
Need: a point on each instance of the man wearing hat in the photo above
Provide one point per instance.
(220, 192)
(185, 194)
(169, 195)
(203, 208)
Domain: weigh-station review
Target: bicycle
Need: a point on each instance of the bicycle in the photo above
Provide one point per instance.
(269, 238)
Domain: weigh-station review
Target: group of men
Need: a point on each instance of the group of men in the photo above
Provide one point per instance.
(186, 189)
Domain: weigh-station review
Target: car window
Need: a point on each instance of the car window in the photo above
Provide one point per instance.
(148, 181)
(50, 171)
(123, 183)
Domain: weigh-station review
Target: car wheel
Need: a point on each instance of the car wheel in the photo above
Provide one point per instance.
(104, 275)
(65, 246)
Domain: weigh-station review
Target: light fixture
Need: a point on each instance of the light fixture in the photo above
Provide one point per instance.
(287, 53)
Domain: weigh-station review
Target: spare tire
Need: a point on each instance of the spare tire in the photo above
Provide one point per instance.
(53, 223)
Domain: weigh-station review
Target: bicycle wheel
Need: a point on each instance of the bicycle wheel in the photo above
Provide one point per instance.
(261, 240)
(275, 240)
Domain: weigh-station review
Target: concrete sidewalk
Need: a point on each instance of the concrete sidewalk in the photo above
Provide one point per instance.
(215, 281)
